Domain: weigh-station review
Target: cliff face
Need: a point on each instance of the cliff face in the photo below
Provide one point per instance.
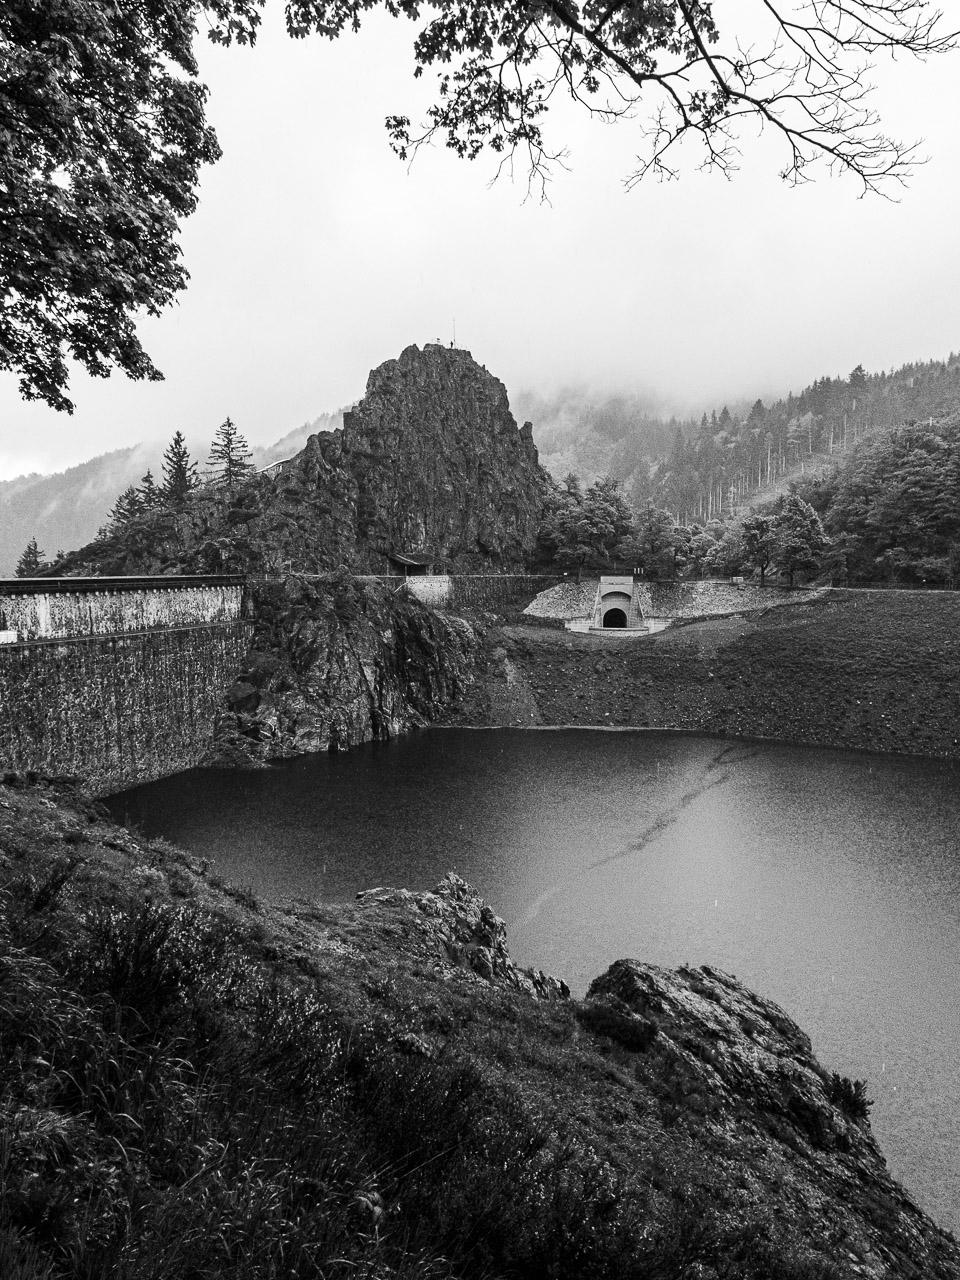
(439, 462)
(335, 662)
(430, 460)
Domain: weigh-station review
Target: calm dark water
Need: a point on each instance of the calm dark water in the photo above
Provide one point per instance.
(828, 880)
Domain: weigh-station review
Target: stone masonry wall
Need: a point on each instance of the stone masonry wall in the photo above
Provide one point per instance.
(674, 600)
(469, 590)
(117, 710)
(60, 610)
(489, 590)
(705, 599)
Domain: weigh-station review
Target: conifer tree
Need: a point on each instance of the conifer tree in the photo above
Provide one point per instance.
(179, 473)
(126, 508)
(230, 457)
(31, 561)
(150, 495)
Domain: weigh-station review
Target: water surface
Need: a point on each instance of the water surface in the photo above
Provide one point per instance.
(827, 880)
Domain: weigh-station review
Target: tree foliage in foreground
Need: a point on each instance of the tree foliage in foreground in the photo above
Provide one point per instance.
(102, 135)
(103, 131)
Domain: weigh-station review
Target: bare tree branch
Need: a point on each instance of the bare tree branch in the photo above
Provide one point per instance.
(807, 81)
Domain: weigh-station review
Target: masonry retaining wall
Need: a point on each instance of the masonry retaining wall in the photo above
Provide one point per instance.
(662, 600)
(115, 711)
(62, 608)
(706, 599)
(473, 590)
(115, 681)
(492, 590)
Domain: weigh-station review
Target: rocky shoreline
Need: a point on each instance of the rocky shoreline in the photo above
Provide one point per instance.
(685, 1115)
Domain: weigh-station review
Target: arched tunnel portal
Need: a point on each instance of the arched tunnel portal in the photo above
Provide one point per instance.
(614, 618)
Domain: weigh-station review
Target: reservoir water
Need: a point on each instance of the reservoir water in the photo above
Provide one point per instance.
(827, 880)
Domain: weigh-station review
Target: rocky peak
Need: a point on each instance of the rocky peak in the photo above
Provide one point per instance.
(430, 460)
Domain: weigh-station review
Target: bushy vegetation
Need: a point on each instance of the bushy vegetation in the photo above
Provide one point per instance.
(893, 510)
(595, 528)
(850, 1096)
(177, 1099)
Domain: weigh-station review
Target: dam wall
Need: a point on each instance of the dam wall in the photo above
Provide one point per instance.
(115, 681)
(496, 590)
(66, 608)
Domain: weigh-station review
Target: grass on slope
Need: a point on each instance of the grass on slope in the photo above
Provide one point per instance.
(186, 1093)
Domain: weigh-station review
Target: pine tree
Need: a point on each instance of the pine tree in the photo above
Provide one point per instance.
(31, 562)
(230, 457)
(150, 495)
(179, 473)
(126, 508)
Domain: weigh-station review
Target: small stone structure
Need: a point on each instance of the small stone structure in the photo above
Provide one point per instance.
(617, 606)
(582, 606)
(435, 589)
(413, 563)
(115, 680)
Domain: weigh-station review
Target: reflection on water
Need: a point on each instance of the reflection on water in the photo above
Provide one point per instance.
(827, 880)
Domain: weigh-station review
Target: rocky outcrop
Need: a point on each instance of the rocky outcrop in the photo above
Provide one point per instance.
(439, 461)
(335, 662)
(462, 932)
(430, 460)
(672, 1124)
(691, 1058)
(741, 1060)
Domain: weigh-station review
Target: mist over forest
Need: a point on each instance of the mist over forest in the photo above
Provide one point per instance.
(698, 468)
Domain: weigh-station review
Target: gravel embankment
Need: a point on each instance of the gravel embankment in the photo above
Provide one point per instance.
(867, 670)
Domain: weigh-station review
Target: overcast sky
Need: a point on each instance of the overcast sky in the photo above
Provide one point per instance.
(315, 255)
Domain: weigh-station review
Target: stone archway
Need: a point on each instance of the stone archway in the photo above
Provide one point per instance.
(614, 618)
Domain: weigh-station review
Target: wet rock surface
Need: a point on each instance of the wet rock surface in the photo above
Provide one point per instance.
(336, 662)
(685, 1113)
(467, 934)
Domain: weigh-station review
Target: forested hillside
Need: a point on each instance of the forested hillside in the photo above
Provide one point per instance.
(893, 508)
(66, 509)
(592, 434)
(699, 470)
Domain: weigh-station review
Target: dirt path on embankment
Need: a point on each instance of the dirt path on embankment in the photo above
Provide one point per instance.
(875, 671)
